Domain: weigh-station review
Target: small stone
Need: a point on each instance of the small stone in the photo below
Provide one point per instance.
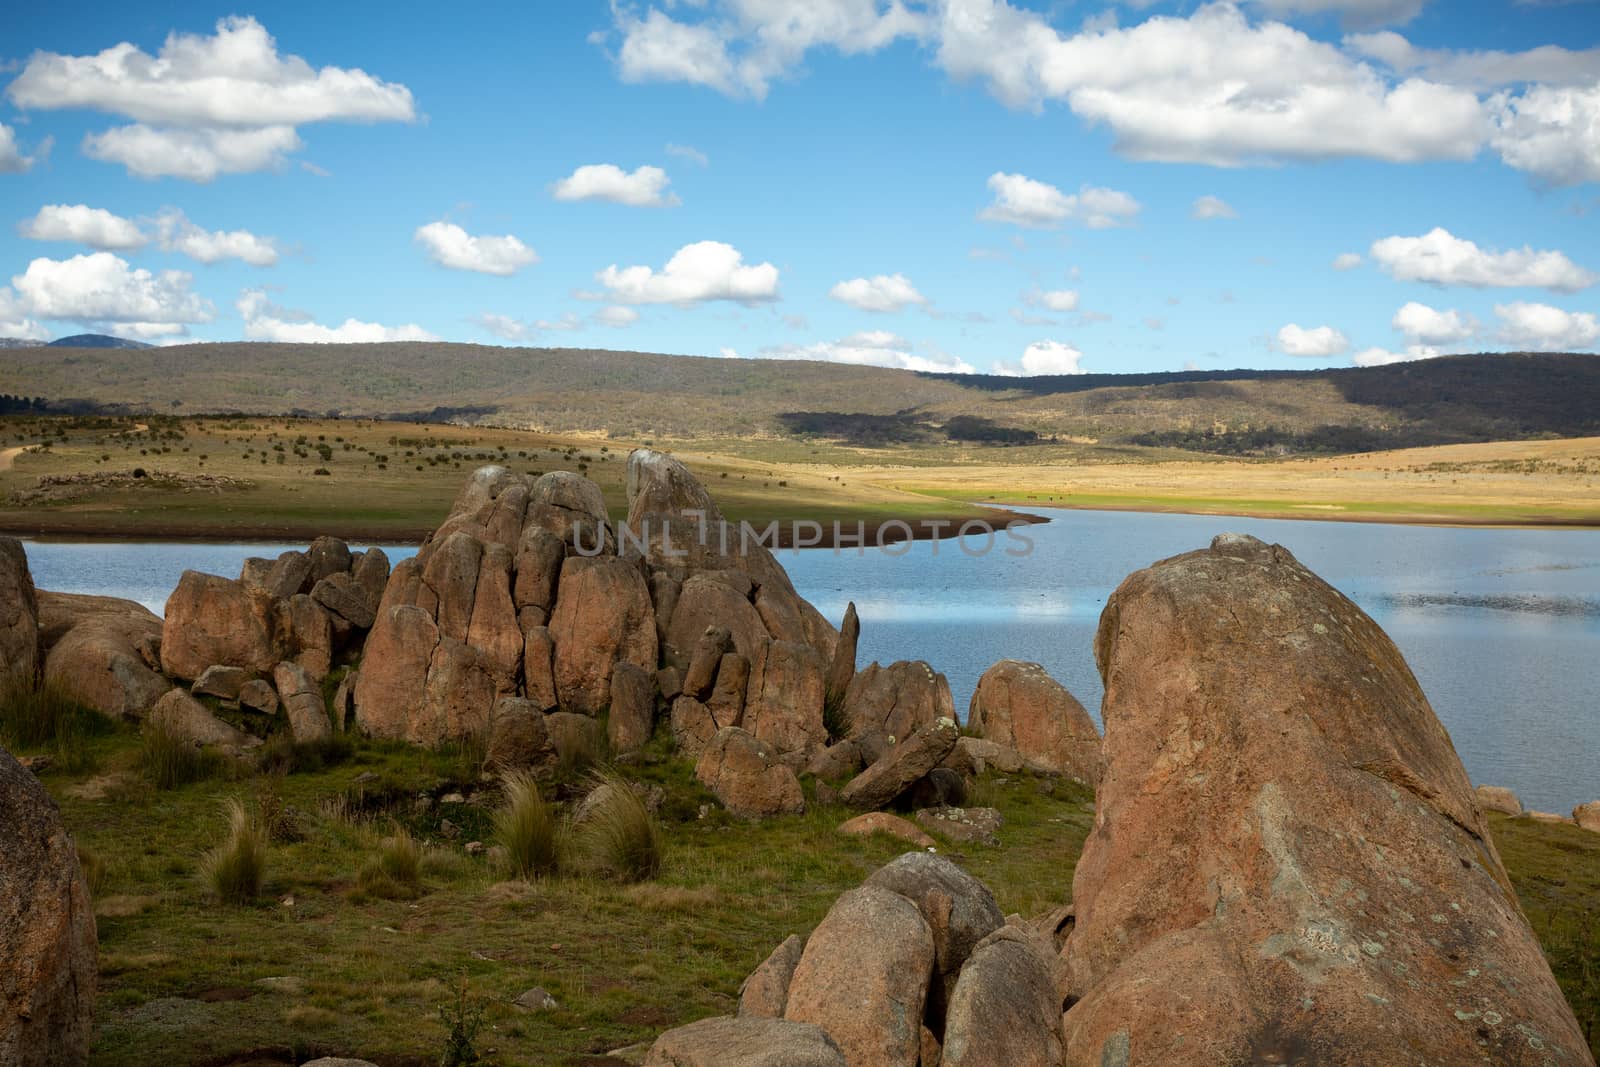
(535, 999)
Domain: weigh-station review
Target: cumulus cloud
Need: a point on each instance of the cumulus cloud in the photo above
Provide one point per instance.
(82, 224)
(1044, 357)
(1347, 261)
(642, 187)
(12, 161)
(1479, 69)
(265, 321)
(1379, 357)
(1315, 342)
(1552, 133)
(205, 105)
(705, 270)
(1212, 207)
(102, 291)
(1022, 201)
(450, 246)
(1421, 323)
(852, 350)
(1439, 257)
(1540, 327)
(881, 292)
(176, 233)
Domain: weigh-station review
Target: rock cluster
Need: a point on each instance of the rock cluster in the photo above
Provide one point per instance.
(105, 651)
(1019, 706)
(47, 932)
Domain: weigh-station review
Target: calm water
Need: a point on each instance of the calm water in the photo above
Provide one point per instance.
(1502, 627)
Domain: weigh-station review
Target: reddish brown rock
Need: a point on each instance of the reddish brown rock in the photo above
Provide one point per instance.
(726, 702)
(959, 910)
(901, 765)
(303, 705)
(602, 616)
(692, 726)
(839, 760)
(394, 671)
(340, 594)
(184, 717)
(578, 739)
(745, 1041)
(538, 567)
(783, 704)
(572, 508)
(963, 826)
(701, 674)
(632, 715)
(223, 683)
(1004, 1011)
(864, 977)
(290, 574)
(706, 602)
(766, 992)
(1018, 705)
(842, 669)
(308, 631)
(746, 776)
(1287, 858)
(1587, 816)
(519, 740)
(458, 697)
(19, 614)
(494, 630)
(371, 574)
(211, 620)
(258, 695)
(976, 756)
(450, 572)
(669, 683)
(881, 822)
(1498, 798)
(664, 590)
(47, 930)
(538, 667)
(887, 704)
(100, 649)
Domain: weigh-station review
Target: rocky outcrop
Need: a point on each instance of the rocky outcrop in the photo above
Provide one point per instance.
(19, 614)
(102, 650)
(1019, 706)
(901, 766)
(1287, 857)
(747, 777)
(746, 1041)
(602, 617)
(47, 931)
(884, 705)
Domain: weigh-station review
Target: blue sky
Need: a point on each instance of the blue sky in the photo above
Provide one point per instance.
(962, 184)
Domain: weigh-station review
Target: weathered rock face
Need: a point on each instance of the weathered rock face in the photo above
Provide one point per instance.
(746, 1041)
(863, 978)
(602, 616)
(1498, 798)
(211, 620)
(101, 650)
(519, 740)
(746, 776)
(19, 614)
(1018, 705)
(888, 704)
(47, 932)
(302, 702)
(901, 766)
(1587, 816)
(1287, 857)
(633, 708)
(766, 992)
(1003, 1011)
(186, 718)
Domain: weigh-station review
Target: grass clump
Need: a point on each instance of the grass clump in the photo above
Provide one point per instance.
(171, 760)
(616, 835)
(527, 829)
(395, 873)
(47, 715)
(835, 718)
(282, 754)
(236, 868)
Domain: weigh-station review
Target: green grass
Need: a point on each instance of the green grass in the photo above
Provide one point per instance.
(236, 867)
(617, 837)
(44, 718)
(171, 761)
(527, 829)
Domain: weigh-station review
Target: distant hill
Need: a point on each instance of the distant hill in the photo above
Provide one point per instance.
(96, 340)
(643, 395)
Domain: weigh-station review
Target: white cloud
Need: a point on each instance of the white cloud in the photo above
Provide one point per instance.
(705, 270)
(102, 288)
(1552, 134)
(21, 329)
(1213, 207)
(689, 152)
(1022, 201)
(450, 246)
(1541, 327)
(616, 315)
(1441, 258)
(1315, 342)
(12, 161)
(643, 187)
(872, 348)
(1481, 70)
(726, 352)
(1421, 323)
(881, 292)
(1347, 261)
(513, 329)
(195, 155)
(1059, 300)
(177, 234)
(92, 226)
(1356, 13)
(1379, 357)
(220, 104)
(1044, 357)
(265, 321)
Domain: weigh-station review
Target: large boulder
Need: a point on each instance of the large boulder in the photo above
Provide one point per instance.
(745, 1041)
(602, 616)
(864, 976)
(1019, 705)
(186, 719)
(303, 704)
(901, 766)
(212, 620)
(766, 992)
(884, 705)
(47, 932)
(1287, 862)
(747, 777)
(100, 649)
(959, 909)
(632, 717)
(783, 701)
(394, 670)
(19, 614)
(519, 740)
(1498, 798)
(1003, 1011)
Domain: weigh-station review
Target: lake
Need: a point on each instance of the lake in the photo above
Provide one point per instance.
(1502, 627)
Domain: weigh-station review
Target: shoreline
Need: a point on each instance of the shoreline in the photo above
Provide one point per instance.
(1315, 513)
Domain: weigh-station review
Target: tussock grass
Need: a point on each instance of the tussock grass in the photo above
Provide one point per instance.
(282, 754)
(835, 718)
(527, 829)
(618, 836)
(236, 868)
(47, 715)
(170, 761)
(94, 871)
(395, 873)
